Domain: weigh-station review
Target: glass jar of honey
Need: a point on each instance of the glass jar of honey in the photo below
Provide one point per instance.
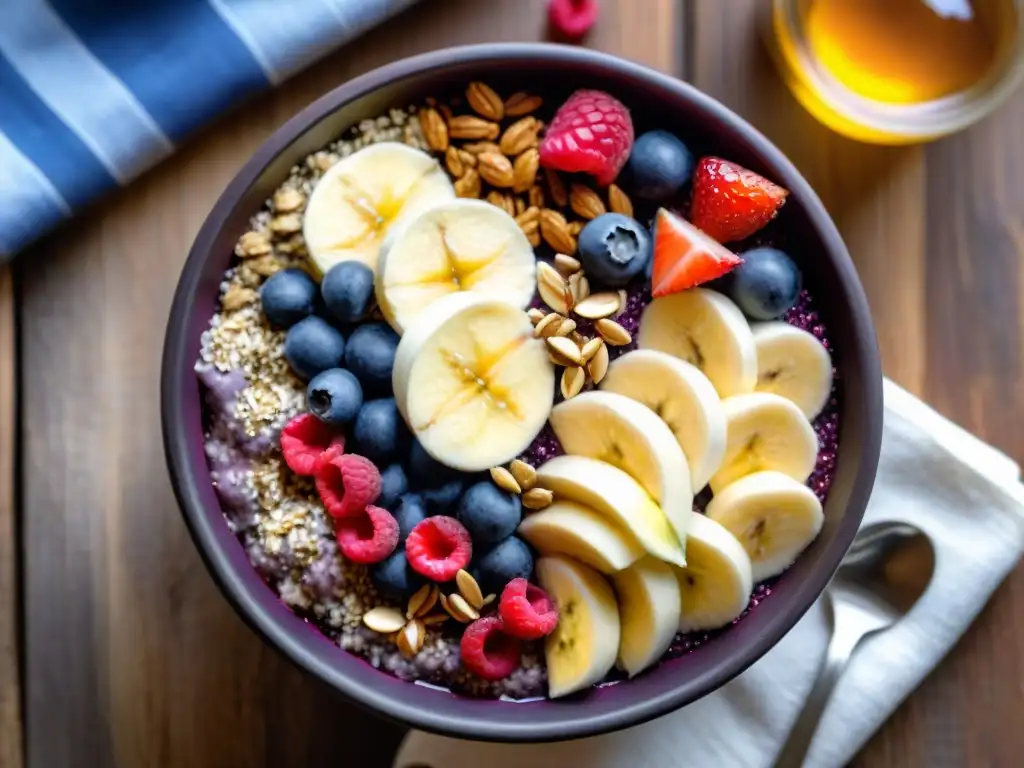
(897, 71)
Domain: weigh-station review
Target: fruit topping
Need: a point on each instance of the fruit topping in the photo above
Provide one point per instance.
(592, 132)
(707, 330)
(526, 610)
(444, 499)
(613, 249)
(715, 585)
(792, 363)
(439, 547)
(576, 531)
(360, 198)
(347, 290)
(659, 166)
(334, 396)
(393, 485)
(766, 285)
(394, 577)
(584, 645)
(572, 18)
(649, 606)
(369, 536)
(312, 346)
(424, 469)
(379, 432)
(497, 566)
(730, 202)
(370, 356)
(685, 257)
(347, 483)
(410, 512)
(489, 513)
(473, 382)
(460, 245)
(303, 439)
(488, 651)
(287, 297)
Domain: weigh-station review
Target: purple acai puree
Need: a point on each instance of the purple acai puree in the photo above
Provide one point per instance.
(804, 316)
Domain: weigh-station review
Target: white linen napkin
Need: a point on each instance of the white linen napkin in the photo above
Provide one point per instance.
(932, 473)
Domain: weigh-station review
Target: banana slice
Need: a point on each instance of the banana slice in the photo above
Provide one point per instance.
(765, 431)
(583, 647)
(622, 432)
(571, 529)
(612, 493)
(793, 364)
(472, 382)
(685, 400)
(649, 612)
(707, 330)
(716, 584)
(772, 515)
(459, 245)
(363, 196)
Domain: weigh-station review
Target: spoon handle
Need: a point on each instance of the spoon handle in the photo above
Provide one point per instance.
(845, 636)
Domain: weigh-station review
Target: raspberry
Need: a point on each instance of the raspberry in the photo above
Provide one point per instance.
(368, 537)
(526, 611)
(346, 482)
(487, 650)
(303, 439)
(438, 548)
(573, 18)
(591, 133)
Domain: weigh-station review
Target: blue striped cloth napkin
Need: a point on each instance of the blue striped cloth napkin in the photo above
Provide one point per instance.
(94, 92)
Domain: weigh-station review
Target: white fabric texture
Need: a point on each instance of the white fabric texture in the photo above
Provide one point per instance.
(932, 473)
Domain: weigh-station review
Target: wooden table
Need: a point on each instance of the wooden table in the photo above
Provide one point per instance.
(128, 654)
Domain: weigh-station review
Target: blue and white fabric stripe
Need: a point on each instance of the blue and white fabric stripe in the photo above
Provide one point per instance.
(94, 92)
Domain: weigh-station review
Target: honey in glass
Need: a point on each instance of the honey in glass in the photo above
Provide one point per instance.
(898, 71)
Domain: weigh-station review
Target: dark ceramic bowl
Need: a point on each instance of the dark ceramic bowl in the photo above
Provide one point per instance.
(656, 100)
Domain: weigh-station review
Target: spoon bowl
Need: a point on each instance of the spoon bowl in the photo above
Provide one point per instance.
(885, 572)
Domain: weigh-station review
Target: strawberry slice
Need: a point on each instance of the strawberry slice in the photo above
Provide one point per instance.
(731, 203)
(685, 257)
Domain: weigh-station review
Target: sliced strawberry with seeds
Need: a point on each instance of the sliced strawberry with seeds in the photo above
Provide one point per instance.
(347, 483)
(303, 439)
(439, 547)
(526, 610)
(488, 651)
(685, 257)
(368, 537)
(730, 202)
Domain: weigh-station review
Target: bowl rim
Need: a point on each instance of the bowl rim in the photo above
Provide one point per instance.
(178, 358)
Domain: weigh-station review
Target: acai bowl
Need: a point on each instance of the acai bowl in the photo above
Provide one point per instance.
(559, 437)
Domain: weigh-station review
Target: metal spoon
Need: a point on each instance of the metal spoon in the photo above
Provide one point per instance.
(886, 570)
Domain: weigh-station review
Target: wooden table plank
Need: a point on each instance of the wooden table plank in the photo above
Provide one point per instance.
(10, 620)
(937, 234)
(133, 658)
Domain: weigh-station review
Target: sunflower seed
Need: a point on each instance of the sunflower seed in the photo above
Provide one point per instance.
(410, 639)
(567, 326)
(572, 382)
(469, 589)
(591, 348)
(536, 315)
(612, 332)
(422, 601)
(460, 610)
(538, 498)
(598, 305)
(567, 265)
(598, 365)
(384, 620)
(552, 288)
(524, 474)
(504, 480)
(565, 349)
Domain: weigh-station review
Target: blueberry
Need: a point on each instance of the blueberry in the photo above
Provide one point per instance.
(379, 431)
(489, 513)
(334, 396)
(394, 577)
(614, 248)
(370, 355)
(766, 284)
(347, 289)
(287, 297)
(497, 566)
(313, 345)
(659, 166)
(425, 470)
(393, 484)
(442, 500)
(410, 512)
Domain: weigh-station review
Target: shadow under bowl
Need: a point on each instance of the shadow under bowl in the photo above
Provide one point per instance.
(656, 101)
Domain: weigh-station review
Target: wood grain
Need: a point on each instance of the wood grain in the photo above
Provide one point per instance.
(937, 234)
(133, 657)
(10, 618)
